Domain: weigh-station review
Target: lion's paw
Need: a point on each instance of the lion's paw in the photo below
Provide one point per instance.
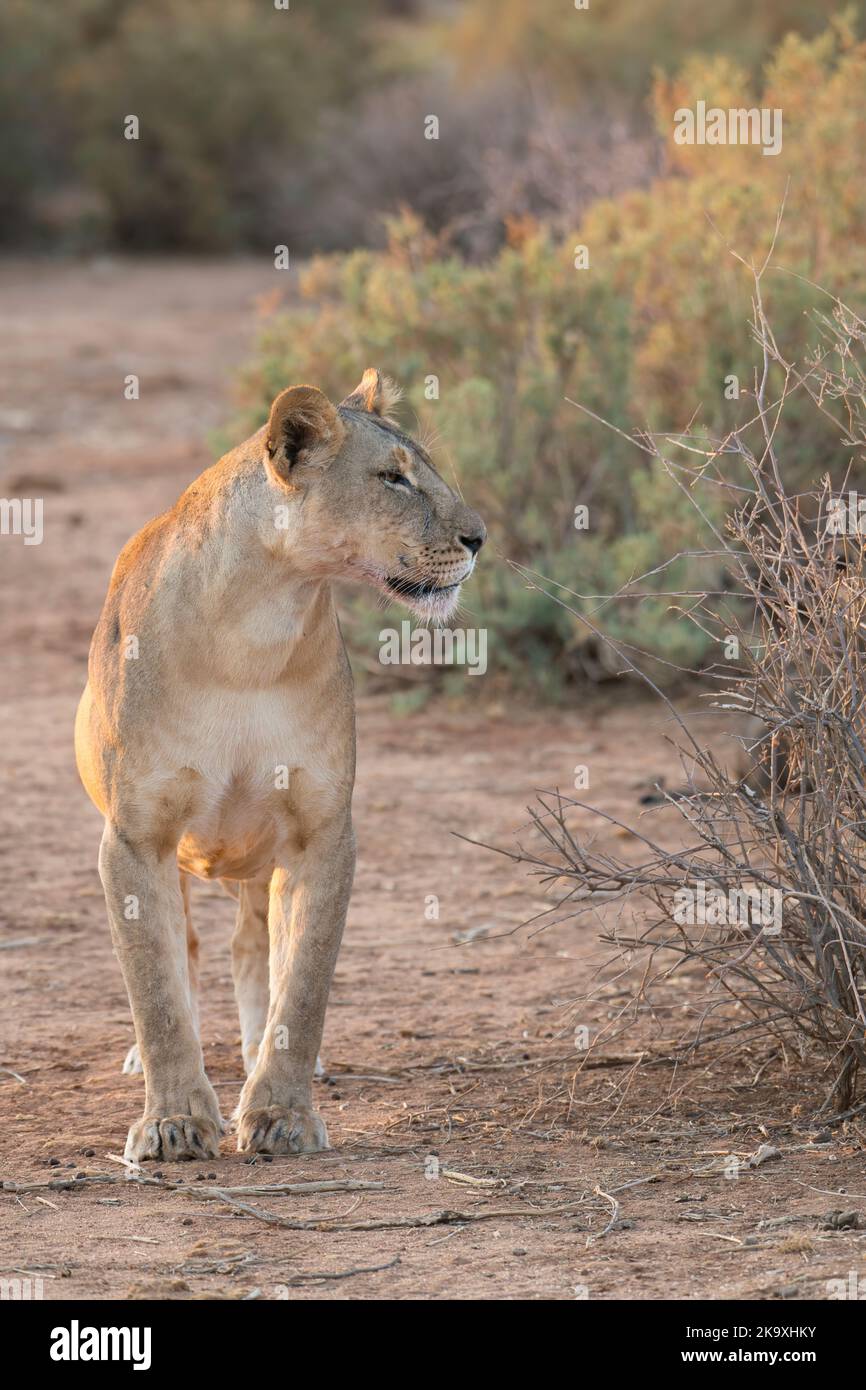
(276, 1130)
(173, 1137)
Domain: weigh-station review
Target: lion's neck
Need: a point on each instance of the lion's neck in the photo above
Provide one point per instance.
(256, 606)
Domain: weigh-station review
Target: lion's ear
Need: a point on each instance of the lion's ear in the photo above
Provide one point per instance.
(375, 393)
(303, 428)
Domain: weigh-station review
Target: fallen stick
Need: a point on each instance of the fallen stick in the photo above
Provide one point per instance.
(650, 1056)
(613, 1219)
(259, 1190)
(453, 1176)
(295, 1280)
(145, 1240)
(366, 1076)
(127, 1163)
(299, 1189)
(443, 1217)
(638, 1182)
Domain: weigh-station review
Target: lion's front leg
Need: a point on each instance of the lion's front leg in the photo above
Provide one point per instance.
(181, 1115)
(132, 1063)
(306, 918)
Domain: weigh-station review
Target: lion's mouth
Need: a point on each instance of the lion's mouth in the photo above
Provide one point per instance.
(419, 589)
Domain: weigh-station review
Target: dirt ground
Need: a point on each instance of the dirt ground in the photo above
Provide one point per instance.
(492, 1164)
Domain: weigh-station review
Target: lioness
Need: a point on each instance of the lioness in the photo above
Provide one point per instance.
(216, 735)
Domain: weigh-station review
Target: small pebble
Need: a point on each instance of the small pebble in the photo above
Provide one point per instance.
(88, 1153)
(54, 1163)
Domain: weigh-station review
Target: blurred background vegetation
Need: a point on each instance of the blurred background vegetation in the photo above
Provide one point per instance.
(455, 258)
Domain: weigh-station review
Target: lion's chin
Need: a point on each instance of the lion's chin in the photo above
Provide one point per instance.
(438, 607)
(431, 601)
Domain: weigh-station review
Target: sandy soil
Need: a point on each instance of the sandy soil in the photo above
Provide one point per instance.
(453, 1086)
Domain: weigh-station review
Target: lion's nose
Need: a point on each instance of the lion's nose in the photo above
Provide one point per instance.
(474, 542)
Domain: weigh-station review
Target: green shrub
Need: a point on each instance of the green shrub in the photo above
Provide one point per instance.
(34, 147)
(227, 93)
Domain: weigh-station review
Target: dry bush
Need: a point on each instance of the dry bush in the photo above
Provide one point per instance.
(507, 152)
(791, 821)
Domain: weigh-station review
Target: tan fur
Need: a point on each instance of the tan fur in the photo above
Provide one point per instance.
(216, 736)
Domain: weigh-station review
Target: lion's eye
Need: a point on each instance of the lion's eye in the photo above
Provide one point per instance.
(395, 479)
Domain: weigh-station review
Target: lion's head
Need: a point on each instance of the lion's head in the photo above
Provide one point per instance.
(362, 499)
